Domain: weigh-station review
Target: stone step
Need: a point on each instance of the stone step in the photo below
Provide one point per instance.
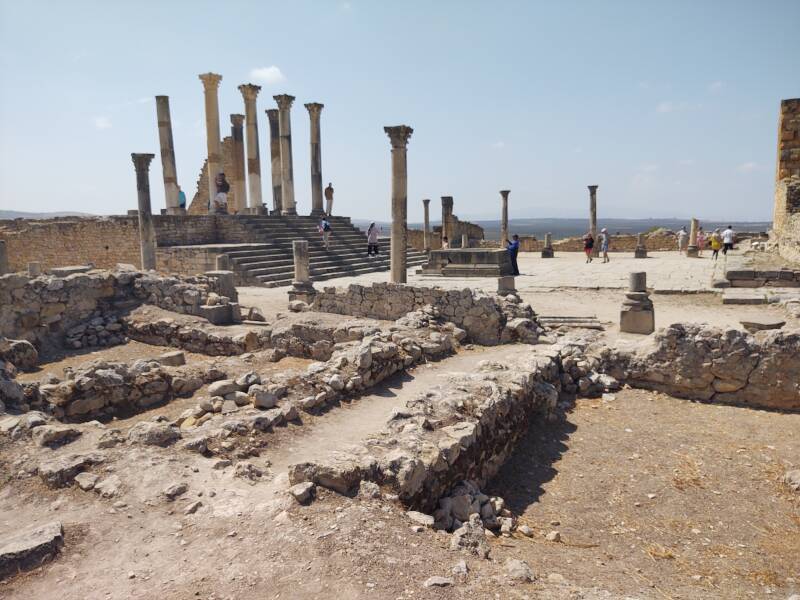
(285, 281)
(743, 296)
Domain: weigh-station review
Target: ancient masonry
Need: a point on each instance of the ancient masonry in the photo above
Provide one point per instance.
(786, 217)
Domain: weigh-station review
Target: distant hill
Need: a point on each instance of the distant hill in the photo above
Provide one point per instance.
(15, 214)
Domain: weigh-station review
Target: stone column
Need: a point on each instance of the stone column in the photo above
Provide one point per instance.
(593, 217)
(275, 159)
(34, 269)
(314, 111)
(249, 93)
(447, 217)
(637, 314)
(167, 156)
(426, 231)
(547, 251)
(288, 206)
(465, 240)
(238, 179)
(210, 87)
(147, 234)
(692, 250)
(641, 249)
(504, 217)
(302, 288)
(3, 258)
(398, 136)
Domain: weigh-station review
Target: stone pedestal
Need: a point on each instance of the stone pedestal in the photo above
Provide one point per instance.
(593, 217)
(504, 216)
(398, 137)
(692, 251)
(547, 251)
(225, 283)
(464, 240)
(249, 94)
(314, 111)
(3, 258)
(637, 314)
(34, 269)
(275, 159)
(214, 145)
(641, 249)
(237, 177)
(288, 206)
(302, 288)
(468, 262)
(168, 168)
(147, 233)
(426, 231)
(506, 285)
(222, 262)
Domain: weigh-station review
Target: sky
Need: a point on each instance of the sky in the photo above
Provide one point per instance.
(670, 107)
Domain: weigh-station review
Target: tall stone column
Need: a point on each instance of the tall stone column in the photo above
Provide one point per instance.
(593, 217)
(167, 155)
(398, 136)
(426, 231)
(692, 251)
(249, 93)
(641, 249)
(238, 180)
(147, 234)
(3, 258)
(210, 87)
(275, 159)
(547, 251)
(314, 111)
(447, 217)
(504, 217)
(288, 206)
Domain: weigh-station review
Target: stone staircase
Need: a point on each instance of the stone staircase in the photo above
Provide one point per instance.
(272, 263)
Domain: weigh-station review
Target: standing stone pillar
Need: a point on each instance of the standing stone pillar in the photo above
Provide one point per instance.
(250, 93)
(692, 251)
(465, 240)
(398, 136)
(275, 159)
(302, 288)
(3, 258)
(314, 111)
(547, 251)
(288, 206)
(426, 231)
(447, 218)
(210, 87)
(593, 217)
(34, 269)
(504, 217)
(641, 249)
(239, 187)
(637, 314)
(147, 234)
(167, 156)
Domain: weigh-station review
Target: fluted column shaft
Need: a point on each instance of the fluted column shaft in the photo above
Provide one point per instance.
(214, 145)
(426, 232)
(593, 217)
(447, 217)
(398, 136)
(238, 179)
(288, 206)
(147, 234)
(275, 158)
(504, 216)
(167, 155)
(250, 93)
(314, 111)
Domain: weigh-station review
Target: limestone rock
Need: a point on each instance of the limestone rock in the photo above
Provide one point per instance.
(792, 479)
(302, 492)
(262, 398)
(54, 435)
(518, 570)
(176, 358)
(86, 481)
(109, 487)
(110, 438)
(247, 470)
(153, 434)
(223, 387)
(29, 548)
(471, 537)
(420, 518)
(174, 490)
(62, 470)
(437, 581)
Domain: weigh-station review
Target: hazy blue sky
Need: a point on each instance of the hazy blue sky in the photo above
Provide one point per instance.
(670, 107)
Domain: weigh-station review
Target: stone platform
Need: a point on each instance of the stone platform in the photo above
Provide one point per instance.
(468, 262)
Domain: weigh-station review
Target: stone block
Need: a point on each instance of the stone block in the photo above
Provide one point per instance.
(175, 358)
(640, 252)
(547, 253)
(219, 314)
(739, 274)
(637, 321)
(71, 270)
(506, 285)
(30, 548)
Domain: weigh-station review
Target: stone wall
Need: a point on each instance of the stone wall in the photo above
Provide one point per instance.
(654, 242)
(487, 319)
(416, 237)
(754, 278)
(786, 216)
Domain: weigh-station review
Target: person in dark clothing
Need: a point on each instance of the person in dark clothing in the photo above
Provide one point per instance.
(513, 249)
(219, 205)
(588, 246)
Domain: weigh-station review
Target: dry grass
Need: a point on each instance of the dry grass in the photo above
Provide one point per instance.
(659, 551)
(687, 474)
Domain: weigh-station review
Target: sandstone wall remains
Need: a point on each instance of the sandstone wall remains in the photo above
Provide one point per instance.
(786, 215)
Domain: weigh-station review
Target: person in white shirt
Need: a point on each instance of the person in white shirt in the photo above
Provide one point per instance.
(682, 237)
(727, 239)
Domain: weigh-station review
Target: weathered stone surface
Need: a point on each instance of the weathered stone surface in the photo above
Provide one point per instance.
(109, 487)
(62, 470)
(176, 358)
(86, 481)
(29, 548)
(20, 353)
(54, 435)
(437, 581)
(302, 492)
(471, 537)
(153, 434)
(792, 479)
(174, 490)
(518, 570)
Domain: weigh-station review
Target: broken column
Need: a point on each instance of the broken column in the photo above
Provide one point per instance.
(637, 315)
(641, 249)
(506, 285)
(168, 168)
(426, 231)
(593, 217)
(504, 217)
(34, 269)
(210, 87)
(465, 240)
(447, 217)
(692, 250)
(250, 93)
(147, 233)
(3, 258)
(547, 251)
(302, 287)
(238, 178)
(288, 206)
(275, 159)
(398, 136)
(314, 111)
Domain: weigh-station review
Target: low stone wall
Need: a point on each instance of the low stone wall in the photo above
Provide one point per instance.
(619, 243)
(706, 363)
(787, 217)
(755, 278)
(487, 319)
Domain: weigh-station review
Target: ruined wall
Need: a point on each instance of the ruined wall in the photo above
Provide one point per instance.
(786, 215)
(619, 243)
(199, 203)
(416, 237)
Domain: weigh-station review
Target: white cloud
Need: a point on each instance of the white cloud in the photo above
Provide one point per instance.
(748, 167)
(270, 75)
(101, 122)
(715, 86)
(499, 145)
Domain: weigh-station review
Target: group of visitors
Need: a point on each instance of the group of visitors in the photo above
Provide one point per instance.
(605, 243)
(716, 240)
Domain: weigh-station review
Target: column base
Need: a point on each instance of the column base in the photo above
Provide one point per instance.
(547, 253)
(302, 290)
(637, 321)
(290, 212)
(692, 251)
(640, 252)
(506, 285)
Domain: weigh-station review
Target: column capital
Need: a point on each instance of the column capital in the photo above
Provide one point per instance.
(314, 108)
(210, 81)
(249, 90)
(398, 135)
(426, 201)
(505, 193)
(141, 162)
(593, 188)
(272, 113)
(237, 120)
(284, 101)
(162, 98)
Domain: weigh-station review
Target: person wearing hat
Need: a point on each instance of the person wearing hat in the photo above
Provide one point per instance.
(219, 206)
(604, 242)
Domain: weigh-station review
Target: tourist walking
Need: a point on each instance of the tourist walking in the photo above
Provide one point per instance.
(329, 199)
(445, 243)
(682, 237)
(181, 199)
(325, 230)
(513, 249)
(220, 202)
(701, 241)
(605, 240)
(372, 239)
(588, 246)
(727, 239)
(716, 243)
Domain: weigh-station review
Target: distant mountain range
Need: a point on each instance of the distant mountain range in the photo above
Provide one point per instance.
(15, 214)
